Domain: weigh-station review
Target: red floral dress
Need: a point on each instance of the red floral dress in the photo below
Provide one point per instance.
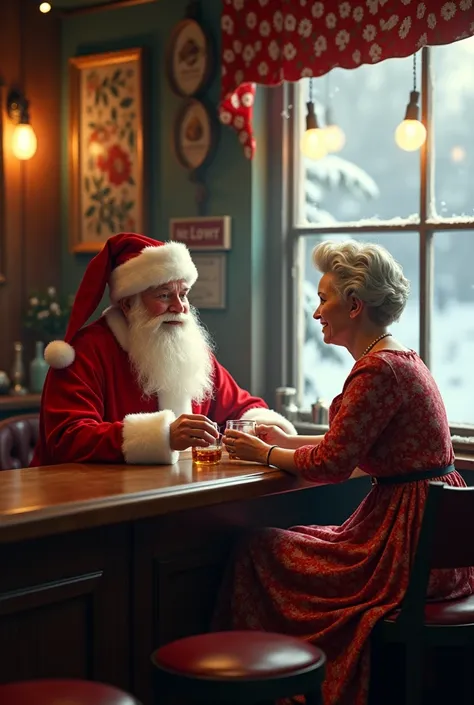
(331, 584)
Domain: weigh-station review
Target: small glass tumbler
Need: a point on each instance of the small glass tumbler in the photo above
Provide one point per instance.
(209, 455)
(243, 426)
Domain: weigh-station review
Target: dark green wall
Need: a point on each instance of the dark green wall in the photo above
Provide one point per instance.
(234, 182)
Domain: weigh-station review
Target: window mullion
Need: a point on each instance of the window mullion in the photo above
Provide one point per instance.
(426, 194)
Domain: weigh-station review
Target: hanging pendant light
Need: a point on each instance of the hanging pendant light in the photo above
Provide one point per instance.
(313, 143)
(411, 133)
(334, 135)
(24, 142)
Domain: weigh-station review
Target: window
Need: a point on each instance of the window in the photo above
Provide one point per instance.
(420, 205)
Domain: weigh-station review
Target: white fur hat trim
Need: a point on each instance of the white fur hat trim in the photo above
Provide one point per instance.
(154, 266)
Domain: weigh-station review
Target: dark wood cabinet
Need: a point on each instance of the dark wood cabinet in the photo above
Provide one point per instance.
(65, 607)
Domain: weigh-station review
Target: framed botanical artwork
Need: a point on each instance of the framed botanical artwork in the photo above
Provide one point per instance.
(105, 147)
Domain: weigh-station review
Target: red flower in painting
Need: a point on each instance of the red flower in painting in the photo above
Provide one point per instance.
(117, 163)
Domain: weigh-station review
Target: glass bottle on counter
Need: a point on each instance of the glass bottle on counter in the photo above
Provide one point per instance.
(38, 369)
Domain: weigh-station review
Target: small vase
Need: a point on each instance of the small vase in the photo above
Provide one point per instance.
(38, 369)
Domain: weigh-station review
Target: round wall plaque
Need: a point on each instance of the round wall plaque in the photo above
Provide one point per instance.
(194, 134)
(189, 58)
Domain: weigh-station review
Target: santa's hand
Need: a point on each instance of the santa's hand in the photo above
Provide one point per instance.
(245, 446)
(273, 435)
(192, 430)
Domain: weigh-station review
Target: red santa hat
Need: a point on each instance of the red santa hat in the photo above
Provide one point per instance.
(129, 263)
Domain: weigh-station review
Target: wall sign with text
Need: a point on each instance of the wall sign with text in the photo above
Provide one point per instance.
(205, 233)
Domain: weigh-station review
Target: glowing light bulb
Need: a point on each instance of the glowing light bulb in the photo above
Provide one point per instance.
(313, 144)
(410, 135)
(24, 142)
(45, 7)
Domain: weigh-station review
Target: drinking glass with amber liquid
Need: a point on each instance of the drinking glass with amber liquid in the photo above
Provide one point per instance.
(243, 426)
(209, 455)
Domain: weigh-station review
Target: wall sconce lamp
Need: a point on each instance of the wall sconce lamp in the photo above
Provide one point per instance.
(24, 142)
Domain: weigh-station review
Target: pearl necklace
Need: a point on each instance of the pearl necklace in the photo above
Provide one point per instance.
(369, 347)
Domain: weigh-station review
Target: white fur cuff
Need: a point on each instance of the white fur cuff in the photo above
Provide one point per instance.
(270, 417)
(146, 439)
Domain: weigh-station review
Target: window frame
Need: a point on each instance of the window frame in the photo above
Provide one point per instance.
(284, 163)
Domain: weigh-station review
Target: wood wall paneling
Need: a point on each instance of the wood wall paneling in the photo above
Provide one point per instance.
(30, 225)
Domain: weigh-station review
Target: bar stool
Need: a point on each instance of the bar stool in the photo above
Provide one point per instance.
(238, 667)
(60, 692)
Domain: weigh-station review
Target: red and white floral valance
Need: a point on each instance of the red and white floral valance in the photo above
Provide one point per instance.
(271, 41)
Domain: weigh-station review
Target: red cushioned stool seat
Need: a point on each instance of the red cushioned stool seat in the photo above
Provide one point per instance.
(450, 613)
(63, 692)
(235, 667)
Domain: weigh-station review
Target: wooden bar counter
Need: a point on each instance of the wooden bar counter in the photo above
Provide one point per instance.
(100, 564)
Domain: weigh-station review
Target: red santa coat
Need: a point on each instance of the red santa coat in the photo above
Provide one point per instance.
(93, 411)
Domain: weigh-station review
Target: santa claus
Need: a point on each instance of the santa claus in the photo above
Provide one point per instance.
(140, 383)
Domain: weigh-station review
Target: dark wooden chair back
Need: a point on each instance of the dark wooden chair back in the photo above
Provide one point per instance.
(446, 541)
(453, 531)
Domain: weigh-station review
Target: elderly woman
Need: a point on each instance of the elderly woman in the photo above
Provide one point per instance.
(331, 584)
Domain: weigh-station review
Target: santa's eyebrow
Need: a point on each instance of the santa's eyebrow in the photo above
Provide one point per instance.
(165, 289)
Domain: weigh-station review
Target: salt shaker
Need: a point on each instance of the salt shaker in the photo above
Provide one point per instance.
(320, 412)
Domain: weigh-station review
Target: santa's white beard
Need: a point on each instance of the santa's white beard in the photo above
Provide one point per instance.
(170, 358)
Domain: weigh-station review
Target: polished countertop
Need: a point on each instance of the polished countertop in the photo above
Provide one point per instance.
(52, 499)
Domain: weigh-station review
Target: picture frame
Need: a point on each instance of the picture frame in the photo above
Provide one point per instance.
(106, 170)
(209, 291)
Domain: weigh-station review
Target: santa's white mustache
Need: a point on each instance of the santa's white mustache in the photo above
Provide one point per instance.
(173, 318)
(154, 323)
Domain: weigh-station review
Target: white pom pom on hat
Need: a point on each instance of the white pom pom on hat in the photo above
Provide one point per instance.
(59, 354)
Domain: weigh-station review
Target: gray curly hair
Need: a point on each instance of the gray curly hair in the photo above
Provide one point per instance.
(369, 272)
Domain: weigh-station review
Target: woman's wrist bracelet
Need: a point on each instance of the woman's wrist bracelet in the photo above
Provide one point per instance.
(268, 454)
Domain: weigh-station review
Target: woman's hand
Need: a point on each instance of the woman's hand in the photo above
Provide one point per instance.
(245, 446)
(273, 435)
